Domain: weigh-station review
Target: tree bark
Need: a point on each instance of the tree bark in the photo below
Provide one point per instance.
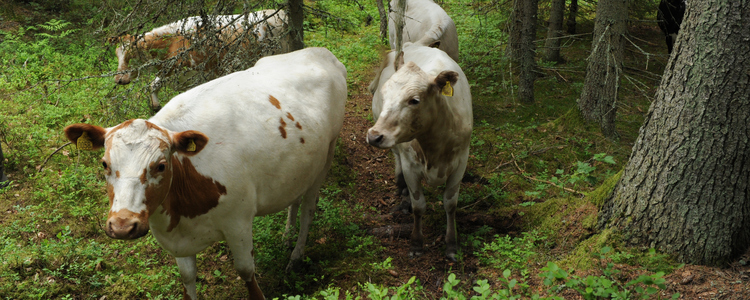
(400, 12)
(554, 31)
(514, 36)
(3, 178)
(685, 188)
(598, 101)
(383, 20)
(296, 29)
(572, 13)
(527, 51)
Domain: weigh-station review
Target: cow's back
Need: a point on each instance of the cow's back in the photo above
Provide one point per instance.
(425, 23)
(269, 127)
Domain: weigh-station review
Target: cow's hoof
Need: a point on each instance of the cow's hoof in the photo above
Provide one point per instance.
(156, 109)
(403, 207)
(415, 253)
(452, 257)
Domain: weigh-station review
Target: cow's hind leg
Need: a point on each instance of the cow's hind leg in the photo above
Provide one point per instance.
(241, 244)
(308, 206)
(188, 271)
(291, 220)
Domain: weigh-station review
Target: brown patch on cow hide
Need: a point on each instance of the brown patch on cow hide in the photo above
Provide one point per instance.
(163, 145)
(119, 126)
(143, 177)
(110, 193)
(191, 193)
(289, 115)
(274, 101)
(117, 174)
(298, 126)
(302, 140)
(282, 129)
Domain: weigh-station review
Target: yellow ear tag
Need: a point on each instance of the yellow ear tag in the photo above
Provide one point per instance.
(84, 142)
(191, 146)
(447, 89)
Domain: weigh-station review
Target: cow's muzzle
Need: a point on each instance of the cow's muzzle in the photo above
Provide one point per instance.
(377, 139)
(126, 227)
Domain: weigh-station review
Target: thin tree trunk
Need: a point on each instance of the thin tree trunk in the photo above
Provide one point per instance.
(3, 178)
(554, 31)
(527, 52)
(572, 13)
(598, 101)
(514, 35)
(296, 20)
(400, 11)
(383, 20)
(685, 188)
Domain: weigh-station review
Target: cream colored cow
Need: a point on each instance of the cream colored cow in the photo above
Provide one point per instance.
(422, 108)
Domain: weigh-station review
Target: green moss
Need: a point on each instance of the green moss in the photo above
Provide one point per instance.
(581, 257)
(571, 121)
(598, 196)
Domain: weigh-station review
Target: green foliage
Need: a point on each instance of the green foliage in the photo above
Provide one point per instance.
(606, 286)
(508, 252)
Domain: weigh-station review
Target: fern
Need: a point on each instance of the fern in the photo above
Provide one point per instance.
(56, 26)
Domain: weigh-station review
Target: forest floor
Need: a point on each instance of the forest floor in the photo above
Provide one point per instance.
(376, 188)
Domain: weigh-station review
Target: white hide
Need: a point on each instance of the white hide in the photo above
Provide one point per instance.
(426, 22)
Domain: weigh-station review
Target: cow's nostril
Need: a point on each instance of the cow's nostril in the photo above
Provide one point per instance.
(133, 229)
(379, 139)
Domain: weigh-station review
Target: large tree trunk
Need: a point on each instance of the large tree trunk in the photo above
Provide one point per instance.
(296, 29)
(685, 189)
(554, 31)
(598, 99)
(572, 13)
(528, 64)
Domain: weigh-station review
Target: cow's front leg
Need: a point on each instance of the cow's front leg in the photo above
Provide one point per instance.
(450, 200)
(240, 242)
(402, 191)
(418, 208)
(188, 270)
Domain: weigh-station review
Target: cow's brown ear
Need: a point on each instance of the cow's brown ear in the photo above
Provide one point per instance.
(189, 142)
(85, 136)
(442, 80)
(399, 61)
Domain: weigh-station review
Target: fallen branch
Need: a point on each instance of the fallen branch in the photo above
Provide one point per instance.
(41, 167)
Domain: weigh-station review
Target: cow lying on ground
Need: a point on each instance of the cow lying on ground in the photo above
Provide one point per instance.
(423, 113)
(670, 15)
(427, 24)
(247, 144)
(172, 40)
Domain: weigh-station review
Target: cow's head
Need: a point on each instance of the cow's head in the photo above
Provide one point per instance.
(138, 166)
(411, 99)
(124, 52)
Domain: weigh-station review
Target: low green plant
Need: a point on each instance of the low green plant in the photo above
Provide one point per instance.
(510, 252)
(606, 286)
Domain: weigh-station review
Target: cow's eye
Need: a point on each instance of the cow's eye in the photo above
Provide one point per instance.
(413, 101)
(104, 164)
(161, 167)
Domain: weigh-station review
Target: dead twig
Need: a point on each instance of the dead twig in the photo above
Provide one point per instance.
(41, 167)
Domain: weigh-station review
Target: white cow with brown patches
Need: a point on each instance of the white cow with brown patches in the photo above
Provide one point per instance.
(172, 40)
(244, 145)
(423, 113)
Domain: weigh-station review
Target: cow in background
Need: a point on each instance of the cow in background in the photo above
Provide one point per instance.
(669, 16)
(248, 144)
(426, 24)
(173, 40)
(422, 108)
